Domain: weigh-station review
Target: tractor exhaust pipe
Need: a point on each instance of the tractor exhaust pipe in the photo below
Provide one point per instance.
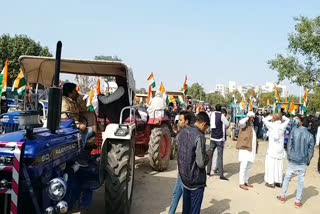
(55, 96)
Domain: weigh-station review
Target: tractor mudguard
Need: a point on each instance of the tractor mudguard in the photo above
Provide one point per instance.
(111, 132)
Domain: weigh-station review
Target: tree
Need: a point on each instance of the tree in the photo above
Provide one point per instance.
(84, 82)
(216, 98)
(13, 47)
(314, 100)
(197, 91)
(229, 95)
(141, 91)
(301, 65)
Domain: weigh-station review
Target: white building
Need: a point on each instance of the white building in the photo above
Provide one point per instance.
(221, 89)
(232, 86)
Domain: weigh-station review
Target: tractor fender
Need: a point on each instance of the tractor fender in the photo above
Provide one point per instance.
(111, 129)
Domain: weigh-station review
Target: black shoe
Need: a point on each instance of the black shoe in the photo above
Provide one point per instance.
(224, 178)
(278, 185)
(216, 171)
(208, 174)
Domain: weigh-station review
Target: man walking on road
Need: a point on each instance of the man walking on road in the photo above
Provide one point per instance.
(219, 124)
(247, 145)
(184, 121)
(192, 159)
(300, 152)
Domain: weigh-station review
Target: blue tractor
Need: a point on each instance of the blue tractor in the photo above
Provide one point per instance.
(38, 168)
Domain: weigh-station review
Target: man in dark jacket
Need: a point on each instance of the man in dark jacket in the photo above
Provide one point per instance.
(192, 159)
(300, 151)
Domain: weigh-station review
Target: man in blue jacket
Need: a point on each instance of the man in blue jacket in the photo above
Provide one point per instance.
(192, 159)
(300, 151)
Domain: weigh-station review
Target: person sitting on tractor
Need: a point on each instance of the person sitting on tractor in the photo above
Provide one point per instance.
(73, 102)
(157, 106)
(110, 106)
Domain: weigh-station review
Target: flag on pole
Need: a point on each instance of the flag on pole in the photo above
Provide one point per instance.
(185, 86)
(4, 77)
(268, 102)
(98, 86)
(292, 110)
(90, 107)
(149, 95)
(180, 100)
(164, 93)
(198, 108)
(241, 105)
(234, 99)
(151, 81)
(251, 95)
(19, 84)
(287, 97)
(250, 106)
(305, 100)
(276, 96)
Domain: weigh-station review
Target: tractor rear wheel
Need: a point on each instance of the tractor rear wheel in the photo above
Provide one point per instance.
(160, 148)
(119, 176)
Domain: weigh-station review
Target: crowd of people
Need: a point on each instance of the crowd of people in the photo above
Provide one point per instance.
(288, 136)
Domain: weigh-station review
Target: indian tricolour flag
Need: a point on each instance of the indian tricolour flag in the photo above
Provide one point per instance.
(185, 86)
(292, 110)
(151, 81)
(180, 100)
(164, 93)
(90, 107)
(19, 84)
(276, 96)
(241, 105)
(234, 99)
(305, 100)
(4, 77)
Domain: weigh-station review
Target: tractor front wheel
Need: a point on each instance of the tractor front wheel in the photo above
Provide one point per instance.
(160, 148)
(119, 176)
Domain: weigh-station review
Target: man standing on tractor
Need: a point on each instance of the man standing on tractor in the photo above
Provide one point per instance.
(157, 106)
(219, 125)
(72, 101)
(184, 121)
(192, 160)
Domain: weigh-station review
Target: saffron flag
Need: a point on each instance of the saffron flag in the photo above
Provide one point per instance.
(268, 102)
(19, 84)
(287, 97)
(149, 95)
(151, 81)
(4, 77)
(250, 106)
(305, 100)
(276, 96)
(198, 108)
(185, 86)
(251, 95)
(291, 108)
(90, 107)
(164, 93)
(241, 106)
(98, 86)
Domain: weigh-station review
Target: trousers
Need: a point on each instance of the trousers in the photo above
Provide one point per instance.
(220, 146)
(245, 170)
(177, 193)
(192, 200)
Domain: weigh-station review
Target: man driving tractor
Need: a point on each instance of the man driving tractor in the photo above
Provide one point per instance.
(73, 102)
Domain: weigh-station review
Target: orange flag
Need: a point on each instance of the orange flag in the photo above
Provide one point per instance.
(98, 86)
(149, 95)
(91, 95)
(4, 77)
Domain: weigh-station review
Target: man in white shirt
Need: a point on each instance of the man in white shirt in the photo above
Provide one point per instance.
(219, 125)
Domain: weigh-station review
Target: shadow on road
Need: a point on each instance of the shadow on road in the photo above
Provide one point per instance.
(231, 169)
(217, 206)
(258, 178)
(308, 193)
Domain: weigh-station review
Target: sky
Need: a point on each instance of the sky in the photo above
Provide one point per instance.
(210, 41)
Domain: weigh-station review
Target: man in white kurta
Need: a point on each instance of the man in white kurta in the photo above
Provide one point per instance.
(246, 157)
(275, 153)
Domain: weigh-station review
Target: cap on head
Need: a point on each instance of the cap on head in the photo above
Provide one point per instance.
(250, 114)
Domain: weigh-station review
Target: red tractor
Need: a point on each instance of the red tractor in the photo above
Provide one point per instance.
(157, 138)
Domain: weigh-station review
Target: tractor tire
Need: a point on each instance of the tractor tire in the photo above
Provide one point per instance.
(160, 148)
(119, 167)
(173, 152)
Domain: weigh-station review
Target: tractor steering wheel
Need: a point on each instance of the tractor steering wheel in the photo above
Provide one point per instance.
(75, 113)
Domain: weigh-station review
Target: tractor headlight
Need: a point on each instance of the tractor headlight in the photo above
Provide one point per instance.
(57, 189)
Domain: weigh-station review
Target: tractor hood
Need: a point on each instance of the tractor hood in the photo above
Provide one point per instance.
(42, 69)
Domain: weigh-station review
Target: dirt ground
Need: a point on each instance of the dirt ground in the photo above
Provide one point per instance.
(153, 190)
